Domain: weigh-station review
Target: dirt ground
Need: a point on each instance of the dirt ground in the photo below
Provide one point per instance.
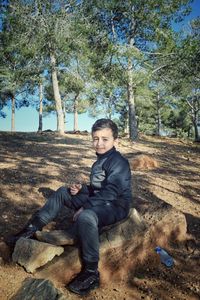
(32, 165)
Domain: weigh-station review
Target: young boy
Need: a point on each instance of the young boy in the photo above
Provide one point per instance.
(105, 201)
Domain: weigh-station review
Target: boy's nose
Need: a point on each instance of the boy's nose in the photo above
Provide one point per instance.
(100, 142)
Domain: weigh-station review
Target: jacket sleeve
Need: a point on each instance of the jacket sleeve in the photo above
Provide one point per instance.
(82, 197)
(118, 180)
(84, 189)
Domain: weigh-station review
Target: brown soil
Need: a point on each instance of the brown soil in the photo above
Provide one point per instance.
(32, 165)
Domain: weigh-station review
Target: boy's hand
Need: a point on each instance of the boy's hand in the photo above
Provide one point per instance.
(75, 216)
(75, 188)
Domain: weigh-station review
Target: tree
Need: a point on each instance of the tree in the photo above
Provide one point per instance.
(190, 74)
(72, 100)
(181, 74)
(20, 65)
(48, 25)
(12, 78)
(135, 28)
(72, 83)
(40, 106)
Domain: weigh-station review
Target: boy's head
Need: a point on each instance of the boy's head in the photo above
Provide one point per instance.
(104, 135)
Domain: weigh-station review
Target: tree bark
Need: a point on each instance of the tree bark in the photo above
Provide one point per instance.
(41, 106)
(76, 113)
(195, 108)
(59, 110)
(64, 111)
(196, 130)
(158, 117)
(133, 131)
(13, 114)
(195, 111)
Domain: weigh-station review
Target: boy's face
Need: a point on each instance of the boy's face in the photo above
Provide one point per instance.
(103, 140)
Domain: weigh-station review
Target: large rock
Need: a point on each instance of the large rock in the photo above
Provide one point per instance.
(111, 236)
(121, 256)
(32, 254)
(40, 289)
(117, 234)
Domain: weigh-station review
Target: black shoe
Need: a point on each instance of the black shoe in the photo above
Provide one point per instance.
(26, 233)
(84, 282)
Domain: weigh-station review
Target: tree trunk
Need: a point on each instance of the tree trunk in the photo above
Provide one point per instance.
(13, 115)
(196, 131)
(158, 117)
(64, 111)
(189, 132)
(59, 110)
(195, 111)
(76, 113)
(133, 131)
(41, 107)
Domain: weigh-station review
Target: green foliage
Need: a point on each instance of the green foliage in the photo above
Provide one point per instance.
(111, 57)
(181, 77)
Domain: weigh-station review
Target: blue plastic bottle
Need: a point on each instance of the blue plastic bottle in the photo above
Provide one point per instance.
(165, 258)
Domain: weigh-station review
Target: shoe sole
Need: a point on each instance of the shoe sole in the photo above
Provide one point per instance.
(85, 291)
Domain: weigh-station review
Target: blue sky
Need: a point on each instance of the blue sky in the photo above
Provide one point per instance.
(26, 119)
(194, 13)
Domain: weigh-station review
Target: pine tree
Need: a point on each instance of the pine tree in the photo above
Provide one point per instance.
(46, 25)
(135, 28)
(181, 74)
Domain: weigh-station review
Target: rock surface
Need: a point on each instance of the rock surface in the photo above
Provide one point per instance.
(40, 289)
(5, 252)
(32, 254)
(111, 236)
(55, 237)
(115, 235)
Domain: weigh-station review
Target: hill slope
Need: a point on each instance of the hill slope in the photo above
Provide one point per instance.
(32, 165)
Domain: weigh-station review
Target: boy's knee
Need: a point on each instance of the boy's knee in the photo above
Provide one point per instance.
(87, 216)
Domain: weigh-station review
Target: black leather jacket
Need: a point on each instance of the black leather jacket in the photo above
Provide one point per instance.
(110, 182)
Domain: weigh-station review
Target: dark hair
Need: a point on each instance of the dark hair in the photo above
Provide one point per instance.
(106, 123)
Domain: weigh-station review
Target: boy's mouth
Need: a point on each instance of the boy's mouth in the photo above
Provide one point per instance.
(100, 149)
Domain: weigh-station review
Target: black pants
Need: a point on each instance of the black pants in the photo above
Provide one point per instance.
(86, 228)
